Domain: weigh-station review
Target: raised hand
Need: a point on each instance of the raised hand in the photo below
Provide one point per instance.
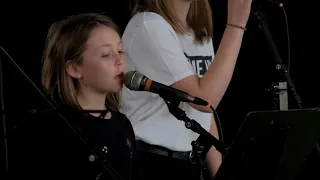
(238, 12)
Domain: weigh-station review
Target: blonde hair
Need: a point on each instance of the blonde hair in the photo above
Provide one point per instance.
(199, 17)
(66, 40)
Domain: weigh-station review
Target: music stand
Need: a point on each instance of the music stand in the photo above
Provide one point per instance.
(271, 145)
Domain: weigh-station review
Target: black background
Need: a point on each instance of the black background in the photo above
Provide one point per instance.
(24, 27)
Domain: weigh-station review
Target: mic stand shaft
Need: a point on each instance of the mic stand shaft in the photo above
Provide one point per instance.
(195, 126)
(280, 65)
(205, 141)
(3, 118)
(99, 155)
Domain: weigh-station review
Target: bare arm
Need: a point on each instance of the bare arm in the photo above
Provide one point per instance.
(214, 83)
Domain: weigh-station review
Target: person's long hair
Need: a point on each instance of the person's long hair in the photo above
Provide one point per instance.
(199, 17)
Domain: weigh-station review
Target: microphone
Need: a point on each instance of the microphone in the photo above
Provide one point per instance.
(136, 81)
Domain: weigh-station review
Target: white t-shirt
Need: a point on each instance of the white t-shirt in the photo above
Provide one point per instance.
(153, 48)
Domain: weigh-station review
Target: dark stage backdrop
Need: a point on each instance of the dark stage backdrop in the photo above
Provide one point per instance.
(24, 27)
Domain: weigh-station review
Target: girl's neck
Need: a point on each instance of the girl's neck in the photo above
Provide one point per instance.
(91, 101)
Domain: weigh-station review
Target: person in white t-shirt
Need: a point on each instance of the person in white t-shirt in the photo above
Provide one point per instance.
(170, 41)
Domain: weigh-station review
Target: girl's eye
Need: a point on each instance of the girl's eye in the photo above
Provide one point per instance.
(106, 55)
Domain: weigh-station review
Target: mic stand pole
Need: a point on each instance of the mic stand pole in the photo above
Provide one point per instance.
(4, 124)
(98, 155)
(202, 145)
(280, 65)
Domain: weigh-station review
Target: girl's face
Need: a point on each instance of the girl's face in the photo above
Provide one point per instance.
(103, 62)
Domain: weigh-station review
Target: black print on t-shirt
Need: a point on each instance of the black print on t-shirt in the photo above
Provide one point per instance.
(200, 64)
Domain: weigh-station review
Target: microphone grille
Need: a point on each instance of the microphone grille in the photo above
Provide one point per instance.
(132, 80)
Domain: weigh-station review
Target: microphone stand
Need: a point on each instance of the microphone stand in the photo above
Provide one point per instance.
(96, 155)
(280, 66)
(202, 145)
(3, 118)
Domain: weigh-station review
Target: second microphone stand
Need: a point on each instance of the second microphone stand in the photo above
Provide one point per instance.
(280, 66)
(202, 145)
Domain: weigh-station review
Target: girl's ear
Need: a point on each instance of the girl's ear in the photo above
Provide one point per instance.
(73, 69)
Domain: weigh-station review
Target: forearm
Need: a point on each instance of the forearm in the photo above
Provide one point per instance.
(215, 81)
(214, 157)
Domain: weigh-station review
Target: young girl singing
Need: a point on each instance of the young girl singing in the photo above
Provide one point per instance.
(82, 72)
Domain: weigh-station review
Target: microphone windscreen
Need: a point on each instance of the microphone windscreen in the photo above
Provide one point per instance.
(132, 80)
